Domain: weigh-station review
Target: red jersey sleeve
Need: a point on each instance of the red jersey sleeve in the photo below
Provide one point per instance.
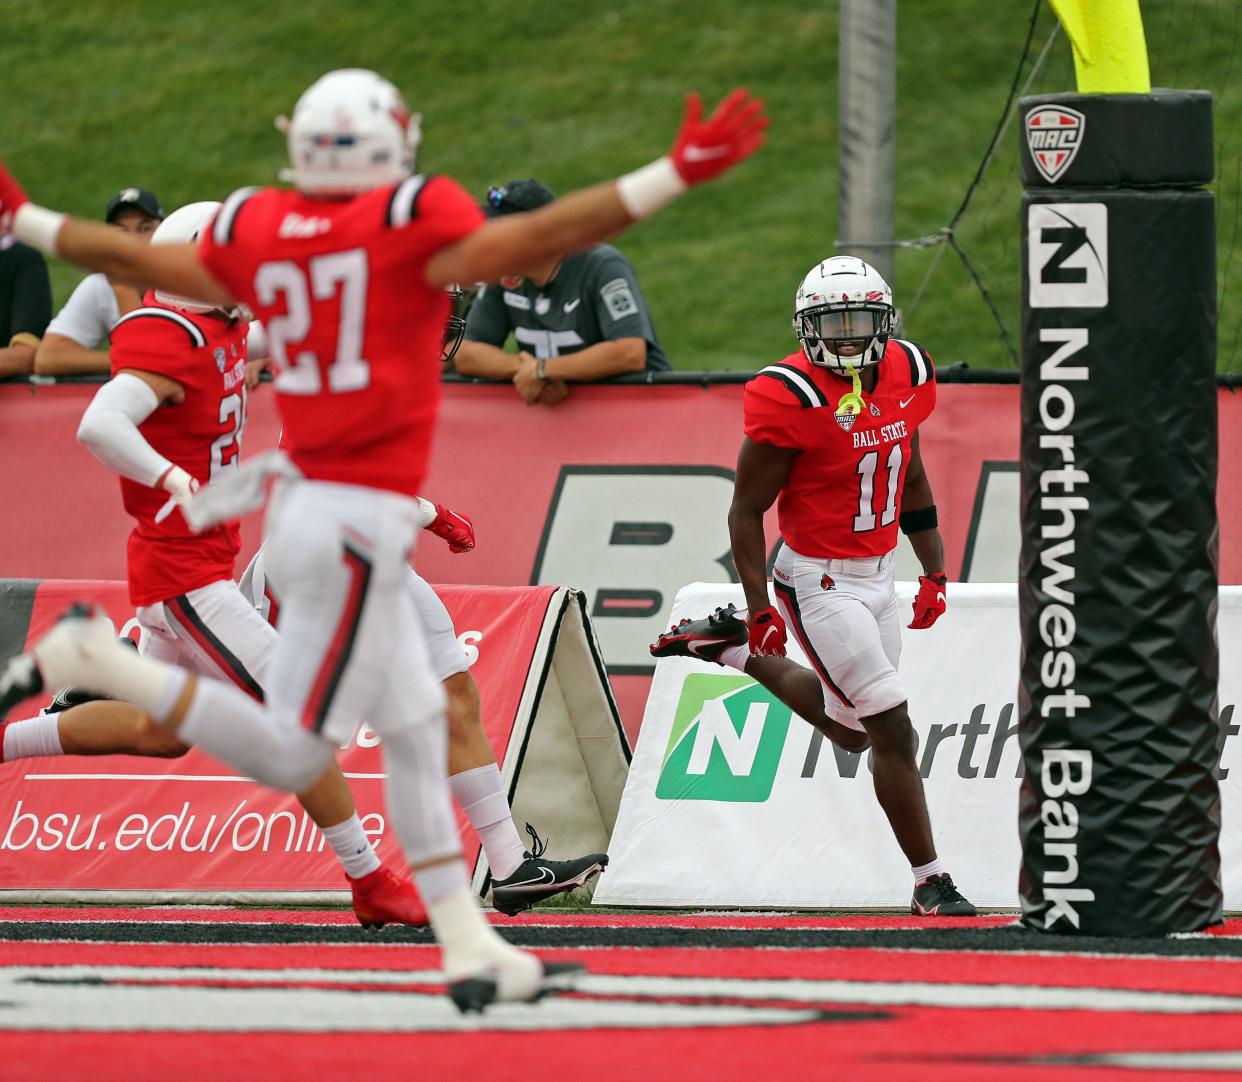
(772, 413)
(918, 372)
(218, 250)
(440, 213)
(156, 342)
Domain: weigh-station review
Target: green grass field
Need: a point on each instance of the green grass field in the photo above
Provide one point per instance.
(94, 96)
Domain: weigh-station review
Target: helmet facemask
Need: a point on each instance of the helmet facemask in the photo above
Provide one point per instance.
(455, 329)
(845, 337)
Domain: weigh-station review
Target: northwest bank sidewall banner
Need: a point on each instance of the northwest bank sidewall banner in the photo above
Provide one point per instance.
(620, 491)
(732, 800)
(125, 823)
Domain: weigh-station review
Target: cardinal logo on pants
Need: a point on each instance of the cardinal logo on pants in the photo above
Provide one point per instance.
(826, 583)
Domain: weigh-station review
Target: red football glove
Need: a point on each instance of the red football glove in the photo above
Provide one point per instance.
(767, 633)
(929, 605)
(11, 197)
(456, 529)
(705, 149)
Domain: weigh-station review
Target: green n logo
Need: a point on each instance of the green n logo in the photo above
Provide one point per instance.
(726, 743)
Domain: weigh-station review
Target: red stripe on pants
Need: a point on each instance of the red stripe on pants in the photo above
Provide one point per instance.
(326, 681)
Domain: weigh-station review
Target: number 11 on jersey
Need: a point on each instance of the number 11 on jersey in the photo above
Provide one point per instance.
(865, 519)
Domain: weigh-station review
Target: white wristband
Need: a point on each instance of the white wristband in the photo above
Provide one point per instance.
(37, 226)
(646, 190)
(426, 512)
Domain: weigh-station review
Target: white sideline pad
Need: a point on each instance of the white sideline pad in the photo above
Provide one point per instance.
(731, 801)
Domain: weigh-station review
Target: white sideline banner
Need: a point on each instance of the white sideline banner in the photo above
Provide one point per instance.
(733, 801)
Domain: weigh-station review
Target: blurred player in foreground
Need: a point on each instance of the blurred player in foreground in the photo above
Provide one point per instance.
(220, 641)
(844, 469)
(172, 414)
(347, 273)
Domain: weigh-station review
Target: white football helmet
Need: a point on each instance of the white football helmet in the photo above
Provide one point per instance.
(183, 226)
(350, 132)
(843, 314)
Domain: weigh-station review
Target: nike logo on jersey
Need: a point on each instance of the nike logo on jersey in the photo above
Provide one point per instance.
(571, 305)
(906, 402)
(703, 154)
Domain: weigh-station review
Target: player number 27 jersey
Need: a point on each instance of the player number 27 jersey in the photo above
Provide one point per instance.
(354, 326)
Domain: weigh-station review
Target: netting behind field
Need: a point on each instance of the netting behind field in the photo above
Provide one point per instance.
(967, 268)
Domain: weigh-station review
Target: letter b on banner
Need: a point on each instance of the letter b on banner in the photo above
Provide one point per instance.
(631, 537)
(1120, 812)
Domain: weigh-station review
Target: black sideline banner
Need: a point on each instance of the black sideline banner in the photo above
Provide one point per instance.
(1120, 813)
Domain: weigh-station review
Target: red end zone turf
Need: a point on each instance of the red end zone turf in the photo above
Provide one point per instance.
(206, 994)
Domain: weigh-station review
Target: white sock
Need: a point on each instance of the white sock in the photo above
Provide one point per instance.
(736, 656)
(32, 739)
(352, 849)
(925, 871)
(480, 793)
(439, 881)
(460, 927)
(469, 946)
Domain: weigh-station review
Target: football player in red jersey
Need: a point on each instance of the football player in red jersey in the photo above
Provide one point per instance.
(832, 439)
(171, 418)
(347, 273)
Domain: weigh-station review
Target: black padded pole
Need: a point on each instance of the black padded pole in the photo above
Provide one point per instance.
(1119, 813)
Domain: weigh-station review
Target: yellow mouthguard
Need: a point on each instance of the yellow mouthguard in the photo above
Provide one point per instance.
(851, 401)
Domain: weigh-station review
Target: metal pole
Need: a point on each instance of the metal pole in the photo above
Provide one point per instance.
(866, 156)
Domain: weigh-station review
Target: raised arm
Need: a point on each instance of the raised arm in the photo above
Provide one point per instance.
(704, 149)
(171, 267)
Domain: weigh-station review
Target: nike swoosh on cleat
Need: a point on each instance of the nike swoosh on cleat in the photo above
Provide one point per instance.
(546, 877)
(694, 647)
(940, 598)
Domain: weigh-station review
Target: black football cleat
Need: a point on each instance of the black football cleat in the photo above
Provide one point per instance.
(704, 639)
(537, 878)
(936, 896)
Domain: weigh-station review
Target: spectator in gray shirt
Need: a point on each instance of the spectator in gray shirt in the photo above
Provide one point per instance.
(74, 335)
(575, 319)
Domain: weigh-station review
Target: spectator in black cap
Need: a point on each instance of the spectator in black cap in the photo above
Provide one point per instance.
(73, 337)
(574, 319)
(25, 305)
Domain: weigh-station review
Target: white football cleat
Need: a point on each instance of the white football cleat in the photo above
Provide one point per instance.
(502, 974)
(75, 651)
